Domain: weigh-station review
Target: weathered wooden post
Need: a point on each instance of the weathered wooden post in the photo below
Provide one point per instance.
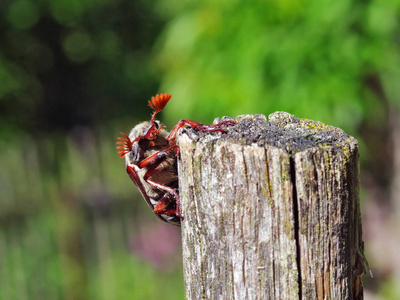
(271, 211)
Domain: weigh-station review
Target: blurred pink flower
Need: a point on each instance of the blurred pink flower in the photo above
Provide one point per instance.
(158, 245)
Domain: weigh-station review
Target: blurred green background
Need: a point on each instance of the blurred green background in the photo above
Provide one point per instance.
(73, 74)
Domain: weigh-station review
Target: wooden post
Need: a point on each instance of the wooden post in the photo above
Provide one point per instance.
(271, 211)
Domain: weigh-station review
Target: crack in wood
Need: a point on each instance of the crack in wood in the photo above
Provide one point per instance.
(296, 223)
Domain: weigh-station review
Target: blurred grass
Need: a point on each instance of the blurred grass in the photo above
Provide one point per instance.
(68, 221)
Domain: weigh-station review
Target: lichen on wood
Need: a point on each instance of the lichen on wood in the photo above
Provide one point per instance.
(271, 211)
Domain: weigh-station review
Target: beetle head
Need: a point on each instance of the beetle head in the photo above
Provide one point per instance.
(144, 135)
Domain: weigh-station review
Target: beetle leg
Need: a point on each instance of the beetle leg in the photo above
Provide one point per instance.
(170, 191)
(162, 206)
(162, 187)
(158, 210)
(201, 127)
(153, 162)
(157, 158)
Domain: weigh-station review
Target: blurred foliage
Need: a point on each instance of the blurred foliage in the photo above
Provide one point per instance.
(70, 218)
(67, 63)
(70, 223)
(390, 290)
(333, 61)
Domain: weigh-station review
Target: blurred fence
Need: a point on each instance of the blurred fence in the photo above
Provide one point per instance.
(70, 224)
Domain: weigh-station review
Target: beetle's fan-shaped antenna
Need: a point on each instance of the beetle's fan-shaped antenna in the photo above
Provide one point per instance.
(157, 103)
(125, 145)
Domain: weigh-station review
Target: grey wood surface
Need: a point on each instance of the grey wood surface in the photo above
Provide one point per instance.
(271, 211)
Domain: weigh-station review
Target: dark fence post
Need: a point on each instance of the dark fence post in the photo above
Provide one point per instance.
(271, 211)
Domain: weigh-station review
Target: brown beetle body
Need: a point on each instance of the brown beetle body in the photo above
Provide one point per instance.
(166, 172)
(150, 154)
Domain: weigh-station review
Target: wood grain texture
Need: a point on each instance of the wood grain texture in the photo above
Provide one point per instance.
(271, 211)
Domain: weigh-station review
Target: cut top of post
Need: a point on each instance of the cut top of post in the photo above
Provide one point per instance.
(283, 130)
